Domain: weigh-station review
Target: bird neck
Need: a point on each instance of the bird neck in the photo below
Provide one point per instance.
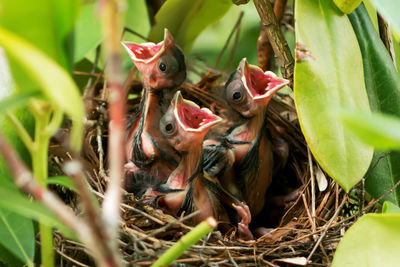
(249, 131)
(188, 166)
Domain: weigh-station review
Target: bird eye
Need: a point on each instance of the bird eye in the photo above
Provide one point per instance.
(167, 126)
(168, 65)
(162, 67)
(235, 92)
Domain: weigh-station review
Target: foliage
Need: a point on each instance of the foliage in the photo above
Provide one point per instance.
(383, 87)
(330, 78)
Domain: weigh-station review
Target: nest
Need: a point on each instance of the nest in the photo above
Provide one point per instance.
(309, 228)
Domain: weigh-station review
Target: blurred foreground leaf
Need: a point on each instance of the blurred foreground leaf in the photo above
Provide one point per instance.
(389, 9)
(330, 77)
(372, 241)
(55, 82)
(377, 130)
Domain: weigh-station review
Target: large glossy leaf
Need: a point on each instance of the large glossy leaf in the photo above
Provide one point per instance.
(44, 23)
(389, 9)
(389, 207)
(331, 78)
(372, 241)
(187, 19)
(55, 82)
(17, 235)
(383, 87)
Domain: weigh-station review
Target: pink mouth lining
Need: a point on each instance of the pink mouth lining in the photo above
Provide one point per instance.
(193, 117)
(260, 83)
(144, 51)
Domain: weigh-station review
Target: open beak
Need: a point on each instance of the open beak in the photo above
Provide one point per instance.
(191, 117)
(148, 52)
(260, 85)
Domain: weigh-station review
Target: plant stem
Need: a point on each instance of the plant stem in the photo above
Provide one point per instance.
(40, 170)
(186, 242)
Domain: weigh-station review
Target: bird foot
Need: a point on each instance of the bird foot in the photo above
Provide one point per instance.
(243, 226)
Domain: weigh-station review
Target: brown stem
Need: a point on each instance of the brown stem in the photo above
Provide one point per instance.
(276, 38)
(264, 48)
(385, 33)
(112, 18)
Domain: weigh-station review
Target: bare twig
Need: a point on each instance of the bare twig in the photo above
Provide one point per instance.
(276, 38)
(326, 228)
(264, 49)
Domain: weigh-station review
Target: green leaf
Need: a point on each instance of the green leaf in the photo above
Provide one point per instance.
(12, 200)
(372, 241)
(187, 19)
(44, 23)
(389, 9)
(383, 87)
(87, 31)
(390, 207)
(331, 78)
(62, 180)
(372, 13)
(17, 235)
(377, 130)
(347, 6)
(16, 100)
(55, 82)
(396, 47)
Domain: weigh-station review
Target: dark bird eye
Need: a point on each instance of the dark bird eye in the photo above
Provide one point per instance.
(235, 92)
(237, 96)
(162, 67)
(169, 127)
(168, 65)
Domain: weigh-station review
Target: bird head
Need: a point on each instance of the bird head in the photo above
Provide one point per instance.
(250, 89)
(185, 124)
(162, 65)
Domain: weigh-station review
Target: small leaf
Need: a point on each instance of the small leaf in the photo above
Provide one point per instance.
(329, 75)
(347, 6)
(187, 19)
(390, 207)
(372, 241)
(377, 130)
(17, 235)
(389, 9)
(382, 82)
(16, 100)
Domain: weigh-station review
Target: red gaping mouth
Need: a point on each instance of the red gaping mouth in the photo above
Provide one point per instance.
(144, 51)
(260, 84)
(148, 52)
(191, 117)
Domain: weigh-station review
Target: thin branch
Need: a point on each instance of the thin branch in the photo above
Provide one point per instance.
(276, 38)
(111, 14)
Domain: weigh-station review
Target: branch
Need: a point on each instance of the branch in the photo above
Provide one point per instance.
(112, 18)
(276, 38)
(264, 48)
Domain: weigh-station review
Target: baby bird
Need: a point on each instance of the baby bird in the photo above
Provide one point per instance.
(184, 126)
(163, 69)
(243, 159)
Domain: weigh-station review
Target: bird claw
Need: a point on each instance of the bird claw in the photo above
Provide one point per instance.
(243, 226)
